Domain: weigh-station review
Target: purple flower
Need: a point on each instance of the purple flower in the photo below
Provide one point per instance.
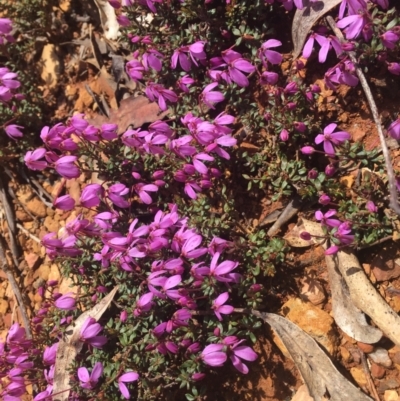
(189, 250)
(307, 150)
(134, 69)
(144, 304)
(394, 129)
(90, 381)
(126, 378)
(329, 138)
(394, 68)
(116, 193)
(354, 23)
(142, 189)
(269, 78)
(213, 355)
(65, 167)
(91, 195)
(152, 59)
(49, 354)
(210, 97)
(222, 272)
(270, 55)
(13, 131)
(239, 353)
(184, 82)
(332, 250)
(219, 307)
(343, 234)
(389, 39)
(32, 159)
(158, 92)
(326, 220)
(65, 302)
(64, 203)
(89, 331)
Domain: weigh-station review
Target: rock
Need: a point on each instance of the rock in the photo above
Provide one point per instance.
(36, 207)
(312, 291)
(345, 354)
(51, 225)
(302, 394)
(314, 321)
(74, 190)
(366, 348)
(54, 273)
(381, 357)
(3, 306)
(42, 272)
(22, 216)
(50, 65)
(391, 395)
(31, 259)
(377, 371)
(359, 376)
(385, 269)
(388, 384)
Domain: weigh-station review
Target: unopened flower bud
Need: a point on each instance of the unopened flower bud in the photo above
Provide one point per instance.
(324, 199)
(300, 126)
(330, 170)
(307, 150)
(123, 316)
(198, 376)
(315, 88)
(304, 235)
(312, 174)
(348, 46)
(284, 135)
(371, 207)
(217, 332)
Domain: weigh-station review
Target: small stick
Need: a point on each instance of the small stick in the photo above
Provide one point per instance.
(394, 204)
(14, 285)
(367, 373)
(12, 229)
(25, 231)
(290, 211)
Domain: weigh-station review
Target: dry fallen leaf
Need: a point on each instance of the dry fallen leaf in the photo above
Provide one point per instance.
(347, 316)
(317, 370)
(134, 111)
(70, 346)
(304, 20)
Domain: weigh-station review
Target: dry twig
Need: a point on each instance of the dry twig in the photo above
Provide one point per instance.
(394, 204)
(14, 285)
(367, 373)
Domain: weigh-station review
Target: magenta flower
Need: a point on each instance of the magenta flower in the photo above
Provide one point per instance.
(158, 92)
(329, 138)
(213, 355)
(332, 250)
(394, 68)
(210, 97)
(269, 78)
(343, 234)
(144, 304)
(394, 129)
(89, 381)
(185, 82)
(152, 59)
(65, 302)
(32, 159)
(126, 378)
(89, 331)
(134, 69)
(64, 203)
(219, 307)
(49, 354)
(326, 220)
(189, 250)
(91, 195)
(13, 131)
(271, 55)
(116, 193)
(195, 51)
(222, 272)
(354, 25)
(239, 353)
(65, 167)
(142, 189)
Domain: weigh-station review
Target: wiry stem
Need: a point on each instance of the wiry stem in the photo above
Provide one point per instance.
(394, 204)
